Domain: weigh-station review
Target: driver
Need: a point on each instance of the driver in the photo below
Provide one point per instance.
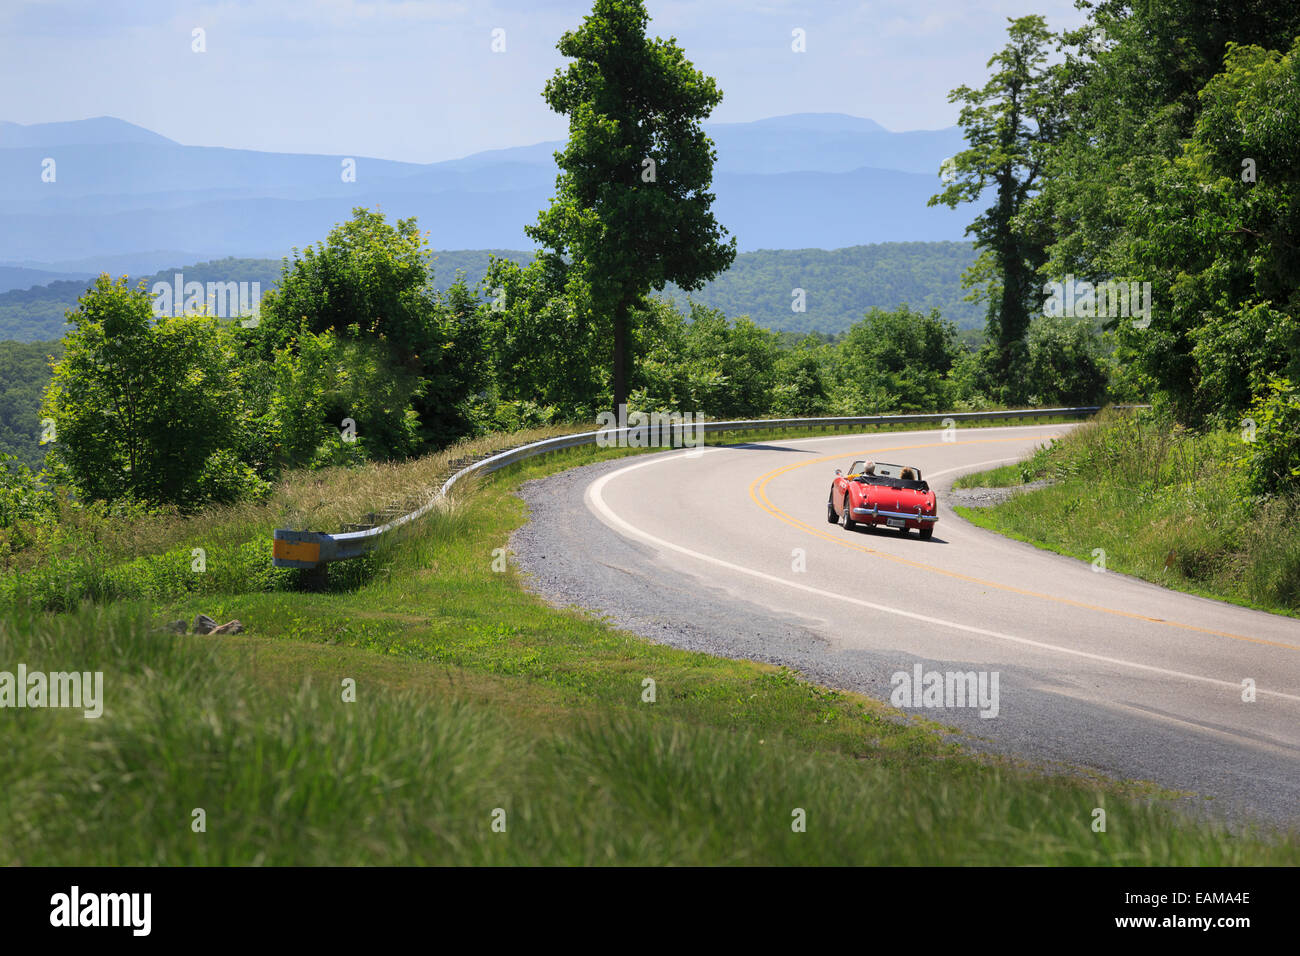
(869, 468)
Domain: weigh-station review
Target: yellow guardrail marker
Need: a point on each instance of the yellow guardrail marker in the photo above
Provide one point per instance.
(296, 550)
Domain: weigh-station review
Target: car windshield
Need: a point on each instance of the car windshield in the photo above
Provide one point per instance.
(890, 476)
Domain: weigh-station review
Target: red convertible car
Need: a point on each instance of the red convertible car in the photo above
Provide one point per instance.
(876, 493)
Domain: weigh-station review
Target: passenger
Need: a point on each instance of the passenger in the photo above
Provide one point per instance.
(907, 474)
(869, 468)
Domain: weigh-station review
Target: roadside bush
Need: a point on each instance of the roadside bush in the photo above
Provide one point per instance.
(1064, 365)
(802, 386)
(518, 416)
(23, 497)
(707, 365)
(369, 283)
(1170, 504)
(1272, 458)
(742, 352)
(226, 479)
(972, 381)
(323, 381)
(140, 404)
(544, 343)
(897, 361)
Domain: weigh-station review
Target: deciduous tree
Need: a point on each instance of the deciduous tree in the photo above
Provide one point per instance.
(632, 203)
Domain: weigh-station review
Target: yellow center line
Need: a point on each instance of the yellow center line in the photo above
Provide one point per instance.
(758, 492)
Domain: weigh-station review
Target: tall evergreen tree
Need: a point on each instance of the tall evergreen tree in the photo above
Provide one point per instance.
(632, 204)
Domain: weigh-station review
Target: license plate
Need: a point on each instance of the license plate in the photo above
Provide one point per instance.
(896, 522)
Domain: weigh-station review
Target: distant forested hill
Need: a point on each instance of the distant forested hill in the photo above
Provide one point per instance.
(839, 285)
(18, 277)
(37, 314)
(24, 373)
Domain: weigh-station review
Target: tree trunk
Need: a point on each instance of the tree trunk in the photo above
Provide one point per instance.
(620, 357)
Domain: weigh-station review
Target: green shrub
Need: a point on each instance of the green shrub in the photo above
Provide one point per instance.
(141, 402)
(226, 479)
(1064, 365)
(1272, 458)
(23, 496)
(324, 381)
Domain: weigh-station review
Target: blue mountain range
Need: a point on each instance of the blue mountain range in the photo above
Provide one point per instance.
(81, 196)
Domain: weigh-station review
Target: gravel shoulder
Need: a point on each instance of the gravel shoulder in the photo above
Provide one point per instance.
(988, 497)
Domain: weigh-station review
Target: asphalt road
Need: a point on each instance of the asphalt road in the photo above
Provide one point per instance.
(728, 551)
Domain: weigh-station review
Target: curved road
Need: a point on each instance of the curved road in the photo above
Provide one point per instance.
(729, 551)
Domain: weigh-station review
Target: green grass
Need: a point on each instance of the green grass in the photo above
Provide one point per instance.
(471, 696)
(1006, 476)
(1165, 505)
(258, 737)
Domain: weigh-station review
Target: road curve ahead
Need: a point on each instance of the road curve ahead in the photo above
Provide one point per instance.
(729, 551)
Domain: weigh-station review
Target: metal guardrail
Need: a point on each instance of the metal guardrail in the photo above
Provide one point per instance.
(307, 549)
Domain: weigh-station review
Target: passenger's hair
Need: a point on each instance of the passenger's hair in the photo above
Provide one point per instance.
(907, 474)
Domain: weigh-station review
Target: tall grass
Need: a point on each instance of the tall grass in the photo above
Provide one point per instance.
(395, 778)
(1166, 504)
(322, 500)
(90, 553)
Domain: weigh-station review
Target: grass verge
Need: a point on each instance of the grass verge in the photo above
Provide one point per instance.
(1165, 505)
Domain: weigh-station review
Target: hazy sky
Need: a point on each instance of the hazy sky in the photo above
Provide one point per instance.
(417, 80)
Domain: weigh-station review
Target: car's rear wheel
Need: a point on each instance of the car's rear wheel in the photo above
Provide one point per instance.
(847, 523)
(831, 516)
(926, 533)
